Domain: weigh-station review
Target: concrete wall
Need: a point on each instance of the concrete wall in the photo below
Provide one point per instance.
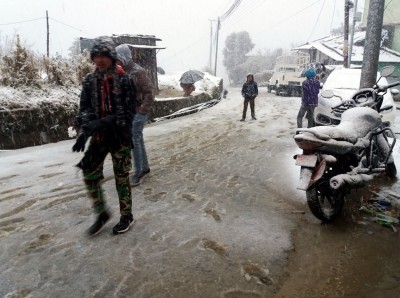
(26, 127)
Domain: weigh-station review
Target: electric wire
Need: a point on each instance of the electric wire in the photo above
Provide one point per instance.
(316, 22)
(289, 17)
(230, 11)
(20, 22)
(186, 48)
(57, 21)
(246, 10)
(333, 14)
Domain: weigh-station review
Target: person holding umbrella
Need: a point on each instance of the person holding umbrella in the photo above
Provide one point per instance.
(188, 79)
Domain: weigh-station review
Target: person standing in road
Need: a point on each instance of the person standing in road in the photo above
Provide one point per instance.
(144, 98)
(309, 99)
(105, 115)
(249, 92)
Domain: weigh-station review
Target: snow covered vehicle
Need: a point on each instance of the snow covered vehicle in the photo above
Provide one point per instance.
(338, 158)
(341, 92)
(289, 74)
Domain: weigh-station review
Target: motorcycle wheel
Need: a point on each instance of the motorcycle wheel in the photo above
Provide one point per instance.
(324, 202)
(391, 170)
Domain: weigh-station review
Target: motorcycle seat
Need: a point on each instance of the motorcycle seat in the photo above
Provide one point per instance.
(355, 123)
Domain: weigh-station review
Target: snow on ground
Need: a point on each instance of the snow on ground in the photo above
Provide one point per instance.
(213, 217)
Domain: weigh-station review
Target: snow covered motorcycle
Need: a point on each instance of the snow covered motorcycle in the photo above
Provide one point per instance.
(338, 158)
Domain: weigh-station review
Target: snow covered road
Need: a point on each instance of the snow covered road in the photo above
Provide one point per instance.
(214, 217)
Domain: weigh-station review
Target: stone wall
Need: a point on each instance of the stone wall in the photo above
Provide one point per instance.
(166, 107)
(27, 127)
(47, 123)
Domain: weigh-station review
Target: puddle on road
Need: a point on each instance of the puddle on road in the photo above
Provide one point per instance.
(345, 258)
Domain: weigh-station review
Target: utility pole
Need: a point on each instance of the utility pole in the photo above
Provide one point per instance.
(347, 5)
(352, 34)
(48, 34)
(372, 43)
(216, 47)
(210, 65)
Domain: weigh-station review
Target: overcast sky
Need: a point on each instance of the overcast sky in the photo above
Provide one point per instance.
(183, 25)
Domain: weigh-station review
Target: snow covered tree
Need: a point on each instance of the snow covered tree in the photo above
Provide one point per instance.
(237, 45)
(59, 71)
(75, 49)
(19, 67)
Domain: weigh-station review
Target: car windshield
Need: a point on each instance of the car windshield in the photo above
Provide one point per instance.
(343, 79)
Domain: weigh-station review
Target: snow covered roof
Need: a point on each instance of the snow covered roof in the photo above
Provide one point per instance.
(140, 46)
(332, 46)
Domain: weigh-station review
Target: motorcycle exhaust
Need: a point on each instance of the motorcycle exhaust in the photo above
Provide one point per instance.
(356, 180)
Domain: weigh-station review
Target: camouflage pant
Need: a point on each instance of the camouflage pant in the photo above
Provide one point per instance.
(92, 166)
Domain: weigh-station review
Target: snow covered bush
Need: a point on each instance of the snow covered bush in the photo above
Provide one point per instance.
(59, 71)
(84, 65)
(19, 67)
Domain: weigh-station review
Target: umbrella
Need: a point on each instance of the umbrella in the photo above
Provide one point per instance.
(191, 76)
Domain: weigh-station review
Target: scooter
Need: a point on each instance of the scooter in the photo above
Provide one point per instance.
(336, 159)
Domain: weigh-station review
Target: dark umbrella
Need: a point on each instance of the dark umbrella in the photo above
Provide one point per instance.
(191, 76)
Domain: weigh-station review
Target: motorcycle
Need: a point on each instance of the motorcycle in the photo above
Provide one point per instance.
(336, 159)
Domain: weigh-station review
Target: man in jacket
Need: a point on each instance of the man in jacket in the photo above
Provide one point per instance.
(143, 103)
(249, 92)
(309, 99)
(105, 115)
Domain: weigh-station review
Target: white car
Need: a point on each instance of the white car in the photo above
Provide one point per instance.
(344, 82)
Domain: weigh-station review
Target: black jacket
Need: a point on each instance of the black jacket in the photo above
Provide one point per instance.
(250, 90)
(111, 117)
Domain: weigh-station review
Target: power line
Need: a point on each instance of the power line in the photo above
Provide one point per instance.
(186, 48)
(57, 21)
(289, 17)
(333, 14)
(20, 22)
(230, 11)
(248, 9)
(316, 22)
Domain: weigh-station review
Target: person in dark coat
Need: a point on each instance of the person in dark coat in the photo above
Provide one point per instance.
(105, 115)
(249, 92)
(144, 99)
(309, 99)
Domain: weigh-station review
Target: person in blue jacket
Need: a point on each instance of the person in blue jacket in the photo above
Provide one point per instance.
(309, 98)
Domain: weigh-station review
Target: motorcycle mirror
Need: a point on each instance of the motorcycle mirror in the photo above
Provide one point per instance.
(387, 70)
(327, 93)
(394, 91)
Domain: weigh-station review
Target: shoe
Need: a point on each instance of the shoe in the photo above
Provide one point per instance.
(254, 118)
(124, 223)
(99, 223)
(135, 180)
(242, 119)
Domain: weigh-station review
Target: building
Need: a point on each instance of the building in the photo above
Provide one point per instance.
(391, 22)
(329, 51)
(144, 50)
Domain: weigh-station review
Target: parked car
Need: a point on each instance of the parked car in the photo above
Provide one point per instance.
(344, 82)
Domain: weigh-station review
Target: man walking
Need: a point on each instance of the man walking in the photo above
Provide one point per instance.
(249, 92)
(105, 115)
(144, 98)
(309, 99)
